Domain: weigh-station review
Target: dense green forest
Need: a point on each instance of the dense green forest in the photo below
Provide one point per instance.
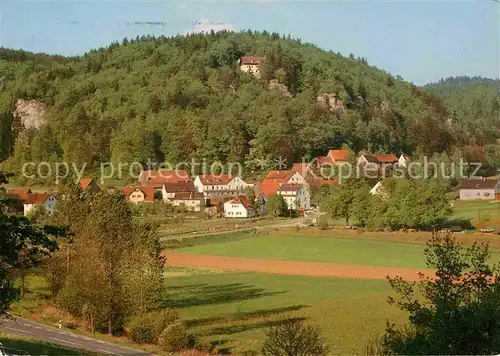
(181, 98)
(473, 103)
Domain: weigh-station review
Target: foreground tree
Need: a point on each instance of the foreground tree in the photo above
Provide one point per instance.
(458, 313)
(113, 268)
(276, 205)
(22, 245)
(294, 338)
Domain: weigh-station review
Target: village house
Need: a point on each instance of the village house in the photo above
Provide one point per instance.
(34, 201)
(89, 185)
(183, 193)
(403, 160)
(24, 201)
(239, 207)
(192, 201)
(378, 189)
(312, 175)
(376, 165)
(138, 195)
(480, 189)
(334, 157)
(295, 196)
(250, 65)
(220, 186)
(269, 186)
(156, 178)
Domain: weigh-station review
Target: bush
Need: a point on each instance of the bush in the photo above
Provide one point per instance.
(323, 222)
(293, 337)
(143, 330)
(174, 337)
(146, 329)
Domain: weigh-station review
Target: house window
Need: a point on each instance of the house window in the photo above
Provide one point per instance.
(238, 213)
(486, 194)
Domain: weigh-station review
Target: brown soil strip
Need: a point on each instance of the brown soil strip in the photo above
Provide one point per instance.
(292, 267)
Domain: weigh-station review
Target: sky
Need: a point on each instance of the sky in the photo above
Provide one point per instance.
(422, 41)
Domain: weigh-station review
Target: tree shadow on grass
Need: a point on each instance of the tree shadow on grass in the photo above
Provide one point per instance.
(244, 315)
(205, 294)
(234, 329)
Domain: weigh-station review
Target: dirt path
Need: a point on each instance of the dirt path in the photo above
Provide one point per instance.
(292, 267)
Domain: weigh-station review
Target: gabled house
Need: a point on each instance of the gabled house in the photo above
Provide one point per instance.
(312, 175)
(403, 160)
(220, 186)
(238, 207)
(23, 200)
(379, 189)
(138, 195)
(183, 193)
(332, 158)
(45, 200)
(480, 189)
(271, 183)
(250, 65)
(295, 195)
(156, 178)
(338, 156)
(89, 185)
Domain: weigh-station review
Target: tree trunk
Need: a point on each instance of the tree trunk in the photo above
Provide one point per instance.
(110, 331)
(22, 283)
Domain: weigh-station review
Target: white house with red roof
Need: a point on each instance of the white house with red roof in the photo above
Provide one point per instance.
(239, 207)
(138, 195)
(220, 186)
(156, 178)
(250, 65)
(45, 200)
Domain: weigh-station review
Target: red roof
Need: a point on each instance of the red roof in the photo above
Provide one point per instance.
(338, 155)
(18, 193)
(214, 179)
(269, 187)
(161, 176)
(302, 168)
(179, 187)
(84, 182)
(289, 187)
(280, 175)
(37, 199)
(149, 192)
(243, 200)
(251, 60)
(187, 196)
(386, 158)
(324, 160)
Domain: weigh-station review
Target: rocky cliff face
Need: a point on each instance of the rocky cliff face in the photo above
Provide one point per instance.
(331, 101)
(30, 113)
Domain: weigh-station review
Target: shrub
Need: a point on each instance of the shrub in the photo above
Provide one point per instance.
(143, 329)
(146, 329)
(293, 338)
(323, 222)
(174, 337)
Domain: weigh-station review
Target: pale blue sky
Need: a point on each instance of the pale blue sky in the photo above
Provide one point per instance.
(421, 41)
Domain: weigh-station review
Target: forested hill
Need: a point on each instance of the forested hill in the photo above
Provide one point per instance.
(185, 97)
(473, 103)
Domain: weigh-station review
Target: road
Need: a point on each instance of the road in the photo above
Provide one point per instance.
(294, 222)
(27, 328)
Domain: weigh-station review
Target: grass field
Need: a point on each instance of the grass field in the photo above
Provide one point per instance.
(472, 210)
(15, 345)
(311, 249)
(232, 310)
